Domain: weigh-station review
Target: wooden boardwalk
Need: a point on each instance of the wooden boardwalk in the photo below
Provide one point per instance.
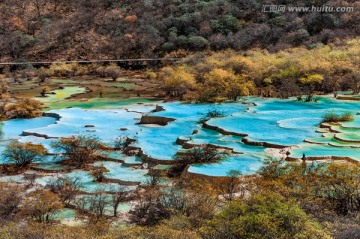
(138, 60)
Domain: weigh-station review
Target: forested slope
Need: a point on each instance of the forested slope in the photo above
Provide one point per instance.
(93, 29)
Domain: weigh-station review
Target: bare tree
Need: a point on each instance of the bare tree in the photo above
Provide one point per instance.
(11, 196)
(66, 187)
(123, 141)
(150, 210)
(229, 185)
(112, 71)
(355, 83)
(153, 178)
(119, 195)
(98, 202)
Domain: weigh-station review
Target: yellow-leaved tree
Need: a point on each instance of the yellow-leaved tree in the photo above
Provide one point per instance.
(23, 108)
(240, 86)
(215, 84)
(220, 84)
(177, 81)
(23, 154)
(311, 82)
(41, 205)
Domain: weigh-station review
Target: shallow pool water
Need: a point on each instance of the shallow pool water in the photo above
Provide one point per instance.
(65, 213)
(86, 180)
(106, 124)
(272, 121)
(61, 94)
(160, 142)
(118, 171)
(123, 208)
(206, 136)
(99, 103)
(313, 150)
(12, 129)
(246, 164)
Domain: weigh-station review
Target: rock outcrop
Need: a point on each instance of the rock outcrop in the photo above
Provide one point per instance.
(159, 120)
(53, 115)
(222, 131)
(158, 108)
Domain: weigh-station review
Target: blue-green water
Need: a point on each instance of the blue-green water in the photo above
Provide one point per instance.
(274, 121)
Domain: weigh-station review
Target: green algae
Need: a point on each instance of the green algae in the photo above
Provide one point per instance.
(62, 94)
(99, 103)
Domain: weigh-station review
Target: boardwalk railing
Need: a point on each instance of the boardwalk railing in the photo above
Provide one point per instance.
(90, 61)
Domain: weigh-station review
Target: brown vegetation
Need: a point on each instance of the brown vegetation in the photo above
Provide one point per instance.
(79, 150)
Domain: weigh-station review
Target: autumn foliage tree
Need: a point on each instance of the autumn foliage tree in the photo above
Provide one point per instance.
(215, 84)
(228, 75)
(23, 108)
(355, 82)
(4, 98)
(41, 205)
(99, 173)
(311, 82)
(23, 154)
(177, 81)
(43, 74)
(79, 149)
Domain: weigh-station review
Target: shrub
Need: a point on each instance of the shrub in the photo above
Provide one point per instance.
(10, 199)
(197, 199)
(197, 43)
(262, 217)
(340, 188)
(99, 173)
(197, 155)
(332, 117)
(24, 108)
(123, 141)
(149, 211)
(212, 114)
